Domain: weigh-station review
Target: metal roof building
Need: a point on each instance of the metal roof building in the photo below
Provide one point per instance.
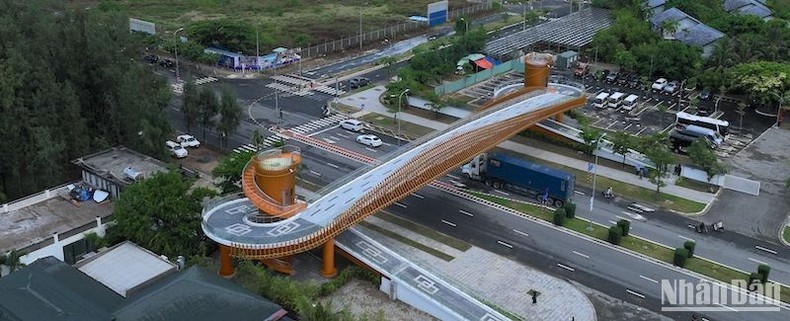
(570, 32)
(746, 7)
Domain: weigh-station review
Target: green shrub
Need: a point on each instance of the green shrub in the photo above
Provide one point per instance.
(763, 270)
(570, 209)
(753, 278)
(559, 216)
(690, 245)
(625, 226)
(615, 235)
(681, 255)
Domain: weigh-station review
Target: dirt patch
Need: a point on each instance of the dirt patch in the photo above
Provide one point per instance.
(365, 301)
(202, 159)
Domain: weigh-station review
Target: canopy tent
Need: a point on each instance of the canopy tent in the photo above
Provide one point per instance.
(484, 63)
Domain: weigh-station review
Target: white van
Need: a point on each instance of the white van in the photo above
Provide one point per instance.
(616, 99)
(176, 150)
(600, 100)
(352, 125)
(698, 131)
(630, 102)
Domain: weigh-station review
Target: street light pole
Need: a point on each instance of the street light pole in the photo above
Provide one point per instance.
(780, 110)
(595, 174)
(524, 16)
(396, 115)
(360, 31)
(680, 97)
(175, 34)
(257, 50)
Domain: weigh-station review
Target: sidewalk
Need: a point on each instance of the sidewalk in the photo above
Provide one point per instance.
(372, 105)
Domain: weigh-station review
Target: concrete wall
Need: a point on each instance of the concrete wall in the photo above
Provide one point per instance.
(410, 296)
(56, 248)
(33, 199)
(472, 79)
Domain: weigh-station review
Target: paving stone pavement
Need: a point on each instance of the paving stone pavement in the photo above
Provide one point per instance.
(496, 278)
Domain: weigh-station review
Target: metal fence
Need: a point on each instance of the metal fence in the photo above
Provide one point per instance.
(390, 32)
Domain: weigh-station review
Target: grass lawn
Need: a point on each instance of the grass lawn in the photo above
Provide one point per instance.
(424, 231)
(407, 241)
(786, 234)
(638, 245)
(413, 130)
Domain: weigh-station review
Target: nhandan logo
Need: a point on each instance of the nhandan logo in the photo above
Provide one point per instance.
(682, 295)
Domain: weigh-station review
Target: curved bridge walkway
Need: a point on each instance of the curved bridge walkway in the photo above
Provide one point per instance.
(373, 187)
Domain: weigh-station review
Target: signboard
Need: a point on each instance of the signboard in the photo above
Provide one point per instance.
(437, 13)
(142, 26)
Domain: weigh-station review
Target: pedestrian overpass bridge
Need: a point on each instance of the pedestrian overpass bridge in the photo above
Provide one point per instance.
(269, 223)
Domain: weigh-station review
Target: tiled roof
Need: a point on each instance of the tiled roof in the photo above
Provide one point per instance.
(671, 14)
(754, 7)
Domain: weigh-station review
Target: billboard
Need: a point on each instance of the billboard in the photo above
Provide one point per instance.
(437, 13)
(142, 26)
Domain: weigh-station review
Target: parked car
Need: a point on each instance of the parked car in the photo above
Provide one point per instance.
(633, 82)
(612, 77)
(151, 59)
(370, 140)
(167, 63)
(357, 82)
(705, 93)
(582, 69)
(622, 78)
(187, 140)
(176, 150)
(659, 84)
(352, 125)
(671, 87)
(601, 74)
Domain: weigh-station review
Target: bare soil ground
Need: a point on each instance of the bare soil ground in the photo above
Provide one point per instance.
(367, 302)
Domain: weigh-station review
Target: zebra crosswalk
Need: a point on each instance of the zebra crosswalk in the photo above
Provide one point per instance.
(178, 87)
(268, 142)
(318, 124)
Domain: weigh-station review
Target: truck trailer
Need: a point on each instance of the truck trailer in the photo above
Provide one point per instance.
(520, 176)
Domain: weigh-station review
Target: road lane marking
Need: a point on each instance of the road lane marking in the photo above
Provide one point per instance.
(448, 223)
(687, 238)
(417, 195)
(504, 244)
(501, 192)
(726, 307)
(520, 232)
(578, 193)
(635, 293)
(400, 204)
(342, 135)
(370, 149)
(649, 279)
(566, 267)
(765, 249)
(757, 261)
(466, 213)
(315, 173)
(452, 176)
(332, 165)
(582, 255)
(334, 138)
(613, 222)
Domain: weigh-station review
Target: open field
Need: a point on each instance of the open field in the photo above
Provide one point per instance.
(281, 22)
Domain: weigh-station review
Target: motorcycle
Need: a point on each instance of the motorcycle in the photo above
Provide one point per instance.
(606, 195)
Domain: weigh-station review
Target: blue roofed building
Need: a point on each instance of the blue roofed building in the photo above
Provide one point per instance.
(655, 6)
(749, 7)
(687, 30)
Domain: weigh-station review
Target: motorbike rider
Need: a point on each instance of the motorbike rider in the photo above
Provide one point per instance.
(608, 193)
(718, 226)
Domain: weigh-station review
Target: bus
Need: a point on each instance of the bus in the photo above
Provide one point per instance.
(718, 125)
(600, 100)
(630, 102)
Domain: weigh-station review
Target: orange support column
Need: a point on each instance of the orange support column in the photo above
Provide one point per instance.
(559, 117)
(226, 265)
(328, 268)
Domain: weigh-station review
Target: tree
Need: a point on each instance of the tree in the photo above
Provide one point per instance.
(190, 104)
(257, 139)
(162, 214)
(230, 115)
(590, 135)
(437, 103)
(668, 28)
(229, 170)
(621, 143)
(656, 150)
(703, 157)
(208, 108)
(740, 109)
(11, 260)
(625, 59)
(388, 62)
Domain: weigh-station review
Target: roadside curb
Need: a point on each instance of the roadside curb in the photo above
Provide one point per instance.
(782, 231)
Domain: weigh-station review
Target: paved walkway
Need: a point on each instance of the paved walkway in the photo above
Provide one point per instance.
(372, 105)
(496, 278)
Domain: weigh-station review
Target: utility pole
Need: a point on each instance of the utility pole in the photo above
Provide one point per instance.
(257, 50)
(175, 34)
(360, 31)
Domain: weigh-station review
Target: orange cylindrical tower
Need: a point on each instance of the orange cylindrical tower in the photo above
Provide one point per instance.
(536, 69)
(275, 174)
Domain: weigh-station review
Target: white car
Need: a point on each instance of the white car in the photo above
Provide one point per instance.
(352, 125)
(176, 150)
(671, 87)
(370, 140)
(188, 141)
(659, 84)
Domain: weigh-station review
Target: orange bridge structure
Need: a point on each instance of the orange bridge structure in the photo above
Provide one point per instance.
(270, 224)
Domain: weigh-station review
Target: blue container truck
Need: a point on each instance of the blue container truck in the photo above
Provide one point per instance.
(521, 176)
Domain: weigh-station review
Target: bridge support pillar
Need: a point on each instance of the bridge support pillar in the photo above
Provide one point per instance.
(328, 269)
(559, 117)
(226, 269)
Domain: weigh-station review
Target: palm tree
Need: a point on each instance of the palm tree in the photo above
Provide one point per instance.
(668, 28)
